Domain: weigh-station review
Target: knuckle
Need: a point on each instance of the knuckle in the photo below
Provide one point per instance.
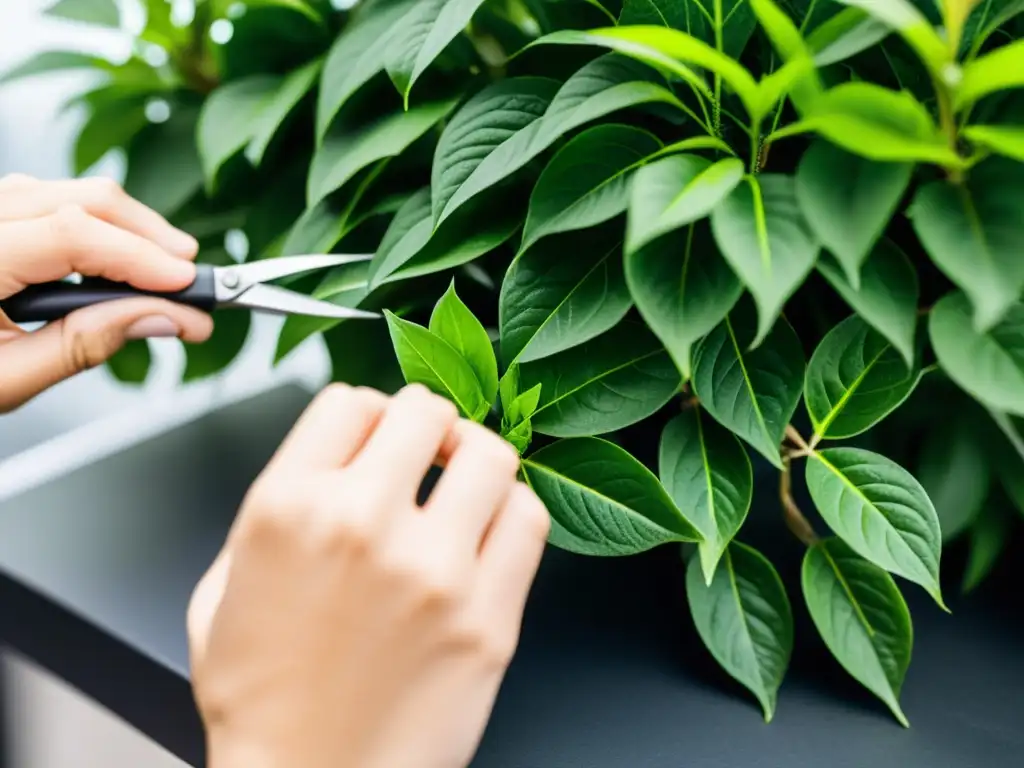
(492, 648)
(271, 507)
(66, 225)
(104, 193)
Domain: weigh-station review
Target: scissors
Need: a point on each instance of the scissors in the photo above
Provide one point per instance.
(236, 286)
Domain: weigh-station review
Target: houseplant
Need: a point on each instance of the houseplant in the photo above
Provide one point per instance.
(711, 234)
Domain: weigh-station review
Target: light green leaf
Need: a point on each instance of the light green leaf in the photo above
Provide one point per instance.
(954, 471)
(608, 84)
(745, 620)
(227, 119)
(989, 366)
(520, 436)
(429, 360)
(588, 181)
(762, 233)
(843, 36)
(357, 55)
(854, 380)
(549, 303)
(973, 233)
(906, 20)
(452, 321)
(999, 70)
(103, 13)
(132, 363)
(988, 537)
(608, 383)
(346, 151)
(862, 617)
(508, 387)
(707, 472)
(1007, 140)
(888, 294)
(602, 501)
(876, 123)
(45, 62)
(848, 218)
(880, 511)
(752, 392)
(277, 108)
(230, 332)
(525, 405)
(675, 191)
(799, 76)
(682, 288)
(422, 34)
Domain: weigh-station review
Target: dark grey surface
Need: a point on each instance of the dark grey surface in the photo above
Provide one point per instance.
(100, 565)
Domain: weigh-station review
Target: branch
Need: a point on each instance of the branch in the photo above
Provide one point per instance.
(798, 525)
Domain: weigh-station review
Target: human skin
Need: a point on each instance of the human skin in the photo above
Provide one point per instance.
(343, 624)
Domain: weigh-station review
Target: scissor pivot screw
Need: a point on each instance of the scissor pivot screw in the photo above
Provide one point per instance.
(229, 280)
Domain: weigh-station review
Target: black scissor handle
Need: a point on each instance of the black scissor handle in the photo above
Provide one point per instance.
(51, 301)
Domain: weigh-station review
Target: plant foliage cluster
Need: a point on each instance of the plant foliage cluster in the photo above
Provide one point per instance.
(695, 242)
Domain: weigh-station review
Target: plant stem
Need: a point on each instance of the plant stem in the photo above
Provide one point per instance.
(796, 437)
(798, 525)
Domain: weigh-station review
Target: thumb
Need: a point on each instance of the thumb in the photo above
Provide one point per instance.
(32, 362)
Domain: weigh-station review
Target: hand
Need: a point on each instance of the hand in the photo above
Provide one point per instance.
(343, 625)
(51, 229)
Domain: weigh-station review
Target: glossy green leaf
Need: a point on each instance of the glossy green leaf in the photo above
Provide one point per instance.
(906, 20)
(799, 77)
(429, 360)
(601, 500)
(744, 618)
(345, 151)
(707, 472)
(987, 539)
(854, 380)
(762, 233)
(103, 13)
(230, 332)
(849, 218)
(973, 234)
(731, 24)
(452, 321)
(227, 119)
(879, 509)
(588, 181)
(132, 363)
(682, 288)
(888, 295)
(843, 36)
(675, 191)
(276, 109)
(422, 34)
(955, 472)
(357, 55)
(361, 355)
(862, 617)
(752, 392)
(610, 382)
(1007, 140)
(876, 123)
(999, 70)
(472, 162)
(407, 220)
(989, 366)
(549, 303)
(164, 170)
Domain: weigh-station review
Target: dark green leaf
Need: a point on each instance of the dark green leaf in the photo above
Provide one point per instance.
(230, 331)
(907, 21)
(683, 288)
(131, 364)
(164, 170)
(880, 511)
(987, 537)
(587, 182)
(862, 617)
(973, 233)
(888, 294)
(854, 380)
(675, 191)
(752, 392)
(706, 471)
(433, 362)
(849, 218)
(617, 379)
(684, 15)
(990, 366)
(762, 233)
(361, 355)
(111, 126)
(731, 24)
(414, 211)
(602, 501)
(843, 36)
(452, 321)
(745, 620)
(103, 13)
(289, 93)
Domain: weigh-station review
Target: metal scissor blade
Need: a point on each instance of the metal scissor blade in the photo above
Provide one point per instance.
(271, 298)
(283, 266)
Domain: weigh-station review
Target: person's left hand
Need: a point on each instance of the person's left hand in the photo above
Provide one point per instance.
(51, 229)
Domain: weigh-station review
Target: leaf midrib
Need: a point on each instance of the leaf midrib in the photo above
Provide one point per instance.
(746, 380)
(603, 374)
(743, 618)
(468, 411)
(833, 414)
(850, 596)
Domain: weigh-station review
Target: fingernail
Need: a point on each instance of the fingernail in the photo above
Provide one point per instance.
(183, 244)
(153, 327)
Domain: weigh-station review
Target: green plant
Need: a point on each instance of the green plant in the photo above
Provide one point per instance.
(669, 223)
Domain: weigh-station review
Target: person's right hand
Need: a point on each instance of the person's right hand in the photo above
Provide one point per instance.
(345, 626)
